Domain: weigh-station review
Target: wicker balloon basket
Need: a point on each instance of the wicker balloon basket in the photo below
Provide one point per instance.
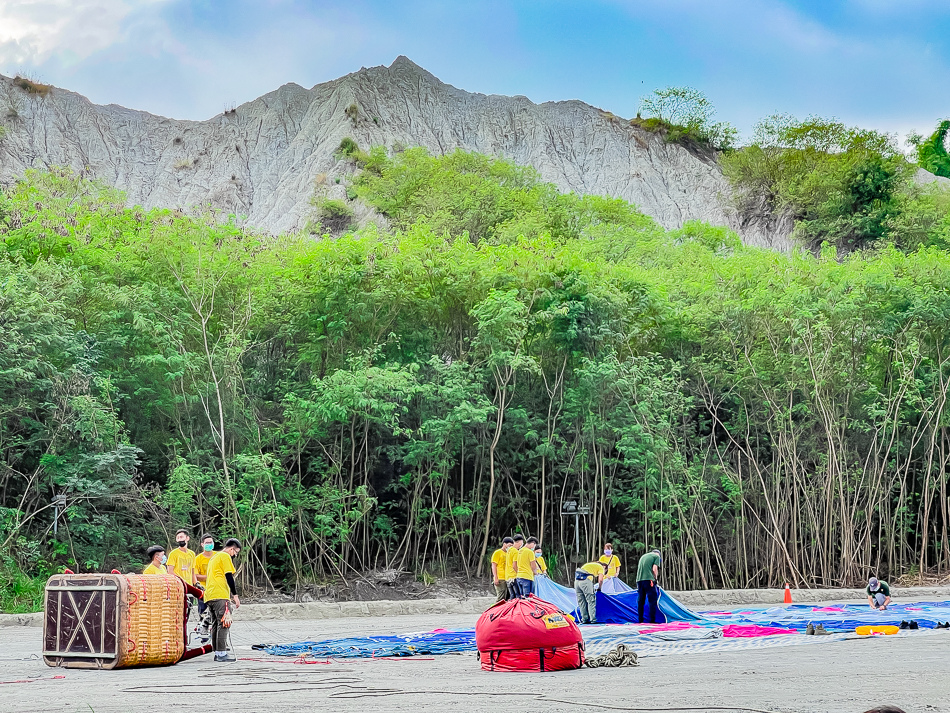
(115, 621)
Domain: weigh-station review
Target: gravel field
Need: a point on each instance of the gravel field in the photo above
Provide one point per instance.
(909, 670)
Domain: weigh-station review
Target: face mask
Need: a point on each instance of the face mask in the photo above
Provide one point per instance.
(182, 543)
(537, 554)
(608, 552)
(164, 559)
(208, 546)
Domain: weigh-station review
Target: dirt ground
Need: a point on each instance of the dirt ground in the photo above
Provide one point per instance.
(907, 670)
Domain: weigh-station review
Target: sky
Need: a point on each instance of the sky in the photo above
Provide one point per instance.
(882, 64)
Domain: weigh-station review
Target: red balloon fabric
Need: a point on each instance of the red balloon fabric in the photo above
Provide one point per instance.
(528, 635)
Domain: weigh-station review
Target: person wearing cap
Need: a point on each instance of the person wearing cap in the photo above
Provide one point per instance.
(155, 556)
(879, 594)
(499, 569)
(648, 569)
(587, 580)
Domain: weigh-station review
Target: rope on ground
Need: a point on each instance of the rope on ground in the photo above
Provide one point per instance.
(615, 658)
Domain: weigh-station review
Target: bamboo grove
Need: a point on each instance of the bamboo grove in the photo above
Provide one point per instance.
(403, 397)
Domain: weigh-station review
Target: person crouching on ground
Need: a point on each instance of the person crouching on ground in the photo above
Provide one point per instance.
(527, 567)
(648, 570)
(587, 580)
(879, 594)
(219, 591)
(499, 569)
(155, 556)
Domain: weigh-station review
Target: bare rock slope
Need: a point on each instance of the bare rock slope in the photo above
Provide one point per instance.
(261, 160)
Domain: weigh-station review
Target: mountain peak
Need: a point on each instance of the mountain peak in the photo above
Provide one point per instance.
(403, 62)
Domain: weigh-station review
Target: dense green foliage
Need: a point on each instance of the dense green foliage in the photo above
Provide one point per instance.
(405, 399)
(840, 184)
(932, 152)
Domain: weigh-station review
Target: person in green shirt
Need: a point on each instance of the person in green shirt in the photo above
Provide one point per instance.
(648, 569)
(879, 594)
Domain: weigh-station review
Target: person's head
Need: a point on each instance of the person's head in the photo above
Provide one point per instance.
(874, 584)
(155, 555)
(538, 552)
(608, 549)
(506, 543)
(232, 547)
(519, 541)
(207, 542)
(182, 538)
(531, 542)
(886, 709)
(656, 551)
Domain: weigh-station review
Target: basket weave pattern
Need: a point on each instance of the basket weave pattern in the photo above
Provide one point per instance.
(155, 620)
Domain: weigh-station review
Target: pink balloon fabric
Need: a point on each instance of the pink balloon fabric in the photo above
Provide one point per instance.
(741, 631)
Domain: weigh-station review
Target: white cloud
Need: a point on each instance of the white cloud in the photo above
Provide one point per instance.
(34, 31)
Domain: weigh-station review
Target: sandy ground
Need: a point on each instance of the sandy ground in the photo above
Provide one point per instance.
(907, 670)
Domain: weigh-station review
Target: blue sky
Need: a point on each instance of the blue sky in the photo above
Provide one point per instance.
(877, 63)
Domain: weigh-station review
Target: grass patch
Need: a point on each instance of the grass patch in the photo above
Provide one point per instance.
(31, 87)
(347, 148)
(334, 215)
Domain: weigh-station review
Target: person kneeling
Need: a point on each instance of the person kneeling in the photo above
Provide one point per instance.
(879, 594)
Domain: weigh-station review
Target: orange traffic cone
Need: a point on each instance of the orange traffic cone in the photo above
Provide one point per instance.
(788, 594)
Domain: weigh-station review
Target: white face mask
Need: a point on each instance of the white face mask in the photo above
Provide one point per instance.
(164, 559)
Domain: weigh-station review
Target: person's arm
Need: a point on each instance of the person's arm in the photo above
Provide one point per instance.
(656, 575)
(237, 600)
(871, 602)
(494, 573)
(534, 567)
(514, 567)
(600, 579)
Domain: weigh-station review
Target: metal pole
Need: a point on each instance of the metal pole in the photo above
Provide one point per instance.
(55, 520)
(577, 533)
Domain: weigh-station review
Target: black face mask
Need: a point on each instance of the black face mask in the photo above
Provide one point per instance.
(182, 543)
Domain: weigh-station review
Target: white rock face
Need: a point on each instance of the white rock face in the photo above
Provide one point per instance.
(261, 161)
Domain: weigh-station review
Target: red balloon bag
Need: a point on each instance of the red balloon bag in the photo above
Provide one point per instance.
(528, 635)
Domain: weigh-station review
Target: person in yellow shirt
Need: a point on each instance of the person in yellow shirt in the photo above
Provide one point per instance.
(181, 560)
(219, 592)
(585, 590)
(610, 561)
(526, 567)
(202, 560)
(499, 569)
(155, 556)
(511, 557)
(539, 558)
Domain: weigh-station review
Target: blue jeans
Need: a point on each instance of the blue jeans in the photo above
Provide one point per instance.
(646, 589)
(524, 587)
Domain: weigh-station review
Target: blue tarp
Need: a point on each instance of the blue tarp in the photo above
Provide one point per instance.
(614, 608)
